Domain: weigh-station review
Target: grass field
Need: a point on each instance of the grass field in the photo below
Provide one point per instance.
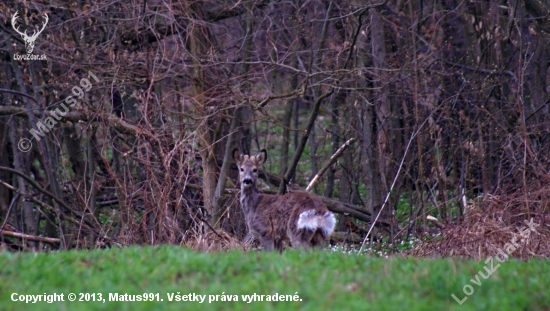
(321, 280)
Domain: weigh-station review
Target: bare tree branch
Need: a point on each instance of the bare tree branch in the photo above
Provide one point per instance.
(329, 162)
(303, 141)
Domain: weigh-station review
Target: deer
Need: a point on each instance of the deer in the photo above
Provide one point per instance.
(29, 40)
(297, 217)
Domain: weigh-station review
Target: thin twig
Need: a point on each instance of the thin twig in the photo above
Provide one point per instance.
(413, 135)
(329, 162)
(36, 185)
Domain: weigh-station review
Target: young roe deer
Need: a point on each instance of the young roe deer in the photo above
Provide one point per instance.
(298, 217)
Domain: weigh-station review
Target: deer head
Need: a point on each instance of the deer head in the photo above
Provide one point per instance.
(248, 166)
(29, 40)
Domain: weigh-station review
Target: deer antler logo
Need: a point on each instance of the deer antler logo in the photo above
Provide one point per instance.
(29, 40)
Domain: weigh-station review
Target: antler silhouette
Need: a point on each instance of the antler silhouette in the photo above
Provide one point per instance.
(24, 34)
(13, 19)
(29, 40)
(35, 34)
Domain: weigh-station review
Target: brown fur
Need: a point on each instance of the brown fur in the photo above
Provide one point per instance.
(273, 218)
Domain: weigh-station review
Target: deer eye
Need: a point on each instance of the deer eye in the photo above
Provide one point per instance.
(242, 169)
(254, 170)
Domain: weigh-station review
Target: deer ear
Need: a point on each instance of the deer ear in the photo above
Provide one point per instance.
(237, 156)
(261, 157)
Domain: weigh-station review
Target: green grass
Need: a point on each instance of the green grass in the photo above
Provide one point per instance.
(323, 280)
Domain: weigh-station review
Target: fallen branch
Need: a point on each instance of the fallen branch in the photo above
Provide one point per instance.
(30, 237)
(74, 116)
(436, 222)
(345, 237)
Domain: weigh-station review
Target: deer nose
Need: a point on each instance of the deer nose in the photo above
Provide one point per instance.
(247, 181)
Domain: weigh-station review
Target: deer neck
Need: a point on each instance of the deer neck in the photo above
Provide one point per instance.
(249, 198)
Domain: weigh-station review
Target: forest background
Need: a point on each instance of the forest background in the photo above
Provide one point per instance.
(123, 134)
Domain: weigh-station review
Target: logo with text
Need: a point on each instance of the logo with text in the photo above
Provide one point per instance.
(29, 40)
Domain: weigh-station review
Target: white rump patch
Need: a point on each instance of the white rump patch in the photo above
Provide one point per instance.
(313, 220)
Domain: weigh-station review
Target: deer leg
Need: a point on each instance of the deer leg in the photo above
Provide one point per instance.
(318, 239)
(268, 243)
(279, 245)
(302, 238)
